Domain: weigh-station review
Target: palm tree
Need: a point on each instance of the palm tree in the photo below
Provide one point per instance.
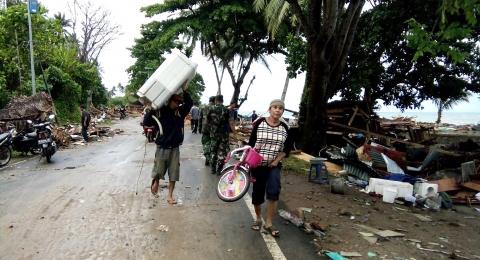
(448, 103)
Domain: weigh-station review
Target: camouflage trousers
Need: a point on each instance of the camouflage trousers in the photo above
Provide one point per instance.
(207, 146)
(219, 149)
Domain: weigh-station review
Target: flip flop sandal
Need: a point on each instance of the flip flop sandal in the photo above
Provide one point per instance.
(257, 225)
(272, 231)
(154, 181)
(172, 202)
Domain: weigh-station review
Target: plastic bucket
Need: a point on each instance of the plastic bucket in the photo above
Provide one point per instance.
(253, 158)
(389, 194)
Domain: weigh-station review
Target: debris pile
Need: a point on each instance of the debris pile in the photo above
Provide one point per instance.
(71, 134)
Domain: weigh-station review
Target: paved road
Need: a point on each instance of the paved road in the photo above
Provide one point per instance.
(84, 206)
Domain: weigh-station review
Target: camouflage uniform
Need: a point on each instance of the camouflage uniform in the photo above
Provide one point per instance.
(205, 130)
(218, 121)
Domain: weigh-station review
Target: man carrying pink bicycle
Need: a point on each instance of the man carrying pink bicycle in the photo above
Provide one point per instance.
(271, 140)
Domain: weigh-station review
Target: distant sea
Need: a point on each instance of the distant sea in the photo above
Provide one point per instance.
(456, 118)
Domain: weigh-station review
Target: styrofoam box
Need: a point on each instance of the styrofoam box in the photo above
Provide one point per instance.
(167, 79)
(421, 188)
(377, 186)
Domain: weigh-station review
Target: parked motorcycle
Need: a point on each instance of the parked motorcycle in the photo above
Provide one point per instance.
(27, 140)
(123, 112)
(5, 147)
(45, 142)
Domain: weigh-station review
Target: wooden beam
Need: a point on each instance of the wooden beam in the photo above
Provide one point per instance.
(368, 133)
(355, 110)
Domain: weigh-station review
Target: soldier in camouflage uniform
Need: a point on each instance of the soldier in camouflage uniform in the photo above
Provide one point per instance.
(205, 130)
(219, 122)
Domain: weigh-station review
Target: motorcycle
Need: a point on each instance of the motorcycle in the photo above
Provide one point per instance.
(123, 113)
(27, 140)
(5, 147)
(45, 142)
(150, 133)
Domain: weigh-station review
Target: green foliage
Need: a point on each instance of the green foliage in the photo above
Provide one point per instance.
(457, 22)
(117, 101)
(55, 55)
(382, 65)
(295, 58)
(196, 87)
(67, 112)
(293, 164)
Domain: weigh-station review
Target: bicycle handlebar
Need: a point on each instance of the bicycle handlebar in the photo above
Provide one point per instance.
(241, 149)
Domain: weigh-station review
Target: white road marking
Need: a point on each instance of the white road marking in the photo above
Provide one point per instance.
(272, 245)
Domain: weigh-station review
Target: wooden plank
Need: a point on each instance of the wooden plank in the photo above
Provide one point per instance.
(368, 133)
(447, 184)
(355, 110)
(471, 185)
(303, 156)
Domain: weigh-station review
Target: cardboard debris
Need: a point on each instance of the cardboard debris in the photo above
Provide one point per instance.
(447, 184)
(350, 254)
(423, 218)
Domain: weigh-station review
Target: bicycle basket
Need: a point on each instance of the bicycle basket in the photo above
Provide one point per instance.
(253, 158)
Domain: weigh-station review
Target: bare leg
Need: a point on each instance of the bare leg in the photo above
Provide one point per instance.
(258, 211)
(171, 187)
(271, 208)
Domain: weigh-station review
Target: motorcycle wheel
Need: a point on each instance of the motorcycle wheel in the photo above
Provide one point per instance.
(5, 155)
(35, 151)
(150, 137)
(49, 157)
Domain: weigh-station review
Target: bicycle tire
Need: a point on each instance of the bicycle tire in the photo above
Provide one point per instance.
(230, 192)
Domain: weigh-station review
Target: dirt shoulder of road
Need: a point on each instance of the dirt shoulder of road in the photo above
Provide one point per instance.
(454, 231)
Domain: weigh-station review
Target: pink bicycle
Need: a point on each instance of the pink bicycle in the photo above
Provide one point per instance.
(235, 177)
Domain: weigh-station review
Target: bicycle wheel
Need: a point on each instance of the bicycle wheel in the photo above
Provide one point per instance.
(232, 185)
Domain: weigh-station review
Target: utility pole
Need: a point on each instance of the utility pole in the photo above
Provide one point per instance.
(18, 61)
(32, 67)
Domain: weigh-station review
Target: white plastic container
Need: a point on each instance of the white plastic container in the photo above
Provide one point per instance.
(378, 185)
(389, 194)
(167, 79)
(421, 188)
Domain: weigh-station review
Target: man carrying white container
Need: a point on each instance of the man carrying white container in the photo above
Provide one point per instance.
(167, 156)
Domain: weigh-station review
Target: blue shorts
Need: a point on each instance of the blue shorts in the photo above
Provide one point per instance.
(267, 183)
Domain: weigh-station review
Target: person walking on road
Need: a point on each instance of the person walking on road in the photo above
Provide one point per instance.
(85, 122)
(254, 116)
(195, 112)
(270, 137)
(219, 123)
(167, 155)
(205, 129)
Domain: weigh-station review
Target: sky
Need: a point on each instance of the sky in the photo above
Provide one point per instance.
(268, 85)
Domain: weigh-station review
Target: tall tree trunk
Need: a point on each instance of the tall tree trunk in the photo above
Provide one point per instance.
(236, 93)
(315, 118)
(440, 110)
(285, 88)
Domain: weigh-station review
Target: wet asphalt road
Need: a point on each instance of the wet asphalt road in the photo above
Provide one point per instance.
(84, 206)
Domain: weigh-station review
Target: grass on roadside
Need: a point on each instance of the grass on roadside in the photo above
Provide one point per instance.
(295, 165)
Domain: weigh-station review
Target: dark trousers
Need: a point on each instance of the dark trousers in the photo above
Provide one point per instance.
(85, 134)
(194, 125)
